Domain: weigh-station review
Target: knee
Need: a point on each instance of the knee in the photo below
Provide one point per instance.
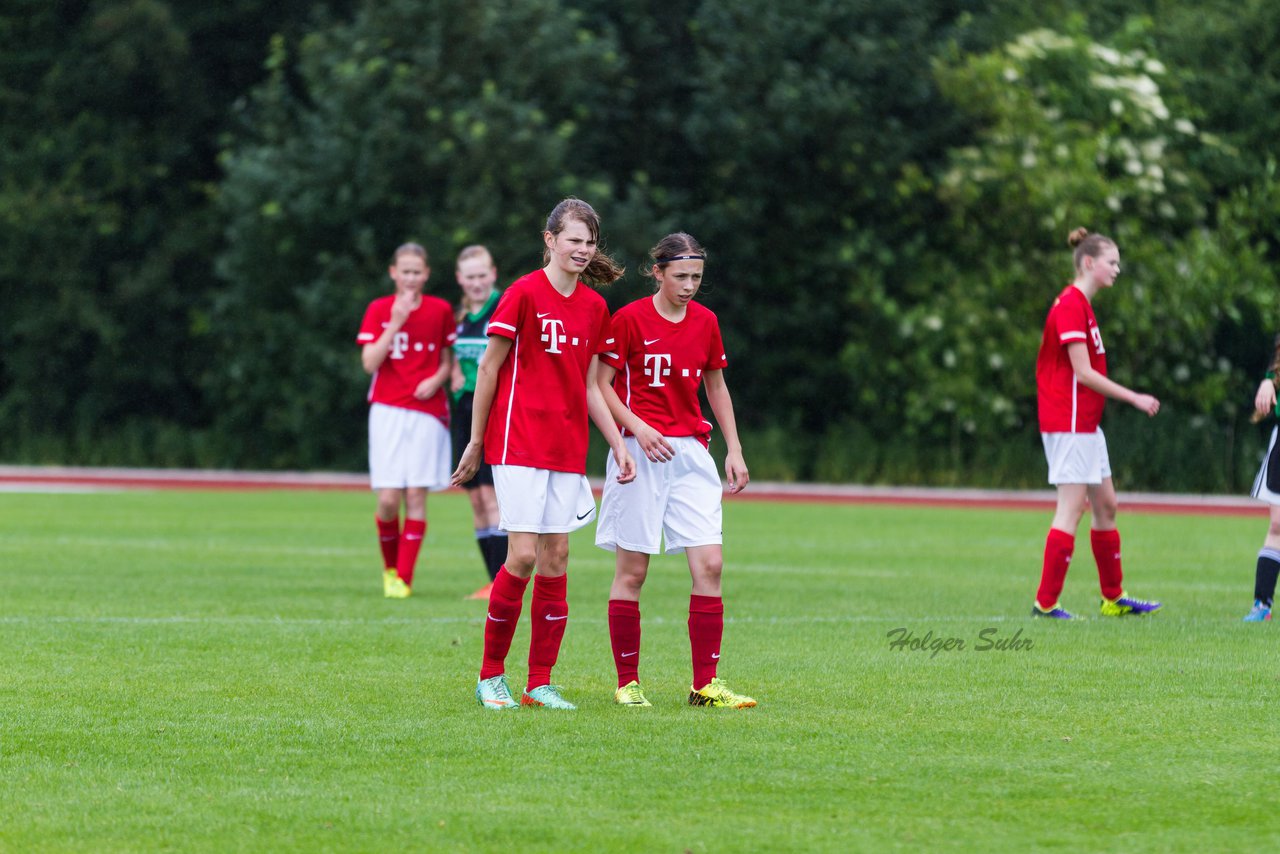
(1273, 530)
(708, 569)
(388, 507)
(1105, 511)
(631, 577)
(555, 556)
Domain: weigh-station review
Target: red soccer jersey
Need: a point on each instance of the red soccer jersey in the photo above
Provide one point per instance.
(539, 412)
(1065, 405)
(414, 355)
(660, 364)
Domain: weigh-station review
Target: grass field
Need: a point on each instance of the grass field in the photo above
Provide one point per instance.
(219, 672)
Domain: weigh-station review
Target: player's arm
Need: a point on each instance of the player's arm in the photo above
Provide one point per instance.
(603, 418)
(735, 467)
(1078, 352)
(373, 355)
(486, 385)
(1264, 400)
(436, 381)
(654, 445)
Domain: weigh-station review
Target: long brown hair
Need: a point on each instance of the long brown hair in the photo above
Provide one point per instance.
(671, 247)
(602, 269)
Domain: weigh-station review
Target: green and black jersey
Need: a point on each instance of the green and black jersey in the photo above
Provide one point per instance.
(472, 339)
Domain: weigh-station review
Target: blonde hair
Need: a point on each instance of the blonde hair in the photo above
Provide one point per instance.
(410, 249)
(475, 250)
(1086, 244)
(602, 269)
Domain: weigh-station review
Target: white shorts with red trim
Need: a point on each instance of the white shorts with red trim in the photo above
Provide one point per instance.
(679, 500)
(541, 501)
(407, 448)
(1077, 457)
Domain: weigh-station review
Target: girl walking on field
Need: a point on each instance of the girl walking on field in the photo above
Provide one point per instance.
(1266, 486)
(406, 340)
(664, 348)
(535, 387)
(1072, 387)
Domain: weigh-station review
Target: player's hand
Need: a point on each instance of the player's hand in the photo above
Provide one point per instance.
(426, 388)
(735, 468)
(1146, 403)
(456, 380)
(655, 447)
(1265, 400)
(469, 464)
(626, 465)
(401, 308)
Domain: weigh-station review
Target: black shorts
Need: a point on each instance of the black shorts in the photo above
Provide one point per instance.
(460, 424)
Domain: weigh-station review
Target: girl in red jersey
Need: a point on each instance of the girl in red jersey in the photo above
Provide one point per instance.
(664, 348)
(535, 388)
(476, 275)
(1072, 385)
(406, 339)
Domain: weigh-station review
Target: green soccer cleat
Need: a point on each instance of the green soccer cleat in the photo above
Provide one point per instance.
(546, 696)
(716, 693)
(630, 695)
(395, 588)
(1124, 604)
(494, 693)
(388, 576)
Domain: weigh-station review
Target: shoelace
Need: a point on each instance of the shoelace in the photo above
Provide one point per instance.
(631, 693)
(502, 693)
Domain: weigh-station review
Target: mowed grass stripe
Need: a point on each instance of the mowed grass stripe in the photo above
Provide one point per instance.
(218, 671)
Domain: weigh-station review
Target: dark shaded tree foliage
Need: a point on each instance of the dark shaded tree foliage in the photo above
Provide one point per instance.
(199, 199)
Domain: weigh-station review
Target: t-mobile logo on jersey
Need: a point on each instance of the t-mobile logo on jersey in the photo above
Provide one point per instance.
(657, 366)
(553, 335)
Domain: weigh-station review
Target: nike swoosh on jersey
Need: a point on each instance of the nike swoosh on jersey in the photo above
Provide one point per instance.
(647, 342)
(542, 314)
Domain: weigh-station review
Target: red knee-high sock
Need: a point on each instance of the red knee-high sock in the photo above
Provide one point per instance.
(624, 636)
(548, 611)
(389, 541)
(1106, 551)
(415, 530)
(1058, 547)
(706, 627)
(506, 599)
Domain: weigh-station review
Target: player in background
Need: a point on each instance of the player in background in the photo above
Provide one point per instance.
(1266, 486)
(1072, 387)
(535, 388)
(664, 348)
(476, 275)
(406, 339)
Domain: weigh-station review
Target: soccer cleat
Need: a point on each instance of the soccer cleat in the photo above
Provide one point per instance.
(1057, 612)
(630, 695)
(716, 693)
(395, 588)
(483, 592)
(547, 696)
(388, 575)
(494, 693)
(1260, 614)
(1125, 604)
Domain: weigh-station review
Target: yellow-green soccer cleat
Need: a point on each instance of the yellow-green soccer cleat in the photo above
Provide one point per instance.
(395, 588)
(388, 576)
(630, 695)
(1125, 604)
(716, 693)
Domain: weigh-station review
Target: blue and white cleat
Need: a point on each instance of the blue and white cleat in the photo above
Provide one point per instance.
(1260, 614)
(494, 693)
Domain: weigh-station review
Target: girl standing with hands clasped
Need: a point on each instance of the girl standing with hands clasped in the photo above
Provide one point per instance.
(535, 387)
(476, 277)
(1072, 387)
(406, 340)
(663, 349)
(1266, 486)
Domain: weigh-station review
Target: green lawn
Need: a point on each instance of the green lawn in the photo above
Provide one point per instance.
(219, 672)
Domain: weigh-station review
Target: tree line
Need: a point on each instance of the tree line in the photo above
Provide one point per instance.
(200, 199)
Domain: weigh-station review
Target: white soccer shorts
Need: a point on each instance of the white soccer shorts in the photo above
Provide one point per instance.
(679, 500)
(407, 448)
(541, 501)
(1260, 489)
(1077, 457)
